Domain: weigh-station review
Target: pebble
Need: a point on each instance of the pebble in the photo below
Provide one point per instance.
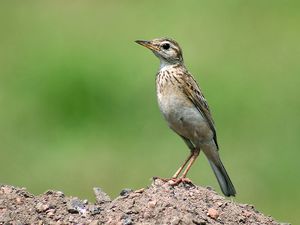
(212, 213)
(51, 212)
(241, 219)
(158, 181)
(210, 188)
(126, 191)
(101, 196)
(40, 207)
(246, 213)
(75, 206)
(219, 204)
(127, 221)
(71, 218)
(55, 193)
(60, 194)
(18, 200)
(6, 190)
(175, 221)
(141, 190)
(147, 215)
(218, 197)
(152, 204)
(94, 210)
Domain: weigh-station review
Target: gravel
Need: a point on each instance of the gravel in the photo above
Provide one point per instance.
(160, 203)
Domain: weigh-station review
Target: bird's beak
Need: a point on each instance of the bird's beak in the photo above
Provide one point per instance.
(148, 44)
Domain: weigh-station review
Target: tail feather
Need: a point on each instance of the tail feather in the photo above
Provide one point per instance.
(223, 178)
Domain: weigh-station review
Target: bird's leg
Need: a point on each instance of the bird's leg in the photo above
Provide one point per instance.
(183, 178)
(193, 159)
(175, 176)
(183, 165)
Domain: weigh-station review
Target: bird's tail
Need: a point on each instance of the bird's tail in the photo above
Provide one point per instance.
(223, 178)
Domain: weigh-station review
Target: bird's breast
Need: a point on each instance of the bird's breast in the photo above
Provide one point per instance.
(180, 113)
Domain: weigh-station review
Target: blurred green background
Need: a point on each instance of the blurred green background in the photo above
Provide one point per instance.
(78, 104)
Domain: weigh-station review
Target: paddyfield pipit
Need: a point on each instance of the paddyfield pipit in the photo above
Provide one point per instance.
(186, 110)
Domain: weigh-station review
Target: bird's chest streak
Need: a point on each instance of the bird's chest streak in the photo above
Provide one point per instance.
(180, 113)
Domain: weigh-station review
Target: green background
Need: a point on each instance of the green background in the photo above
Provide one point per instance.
(78, 106)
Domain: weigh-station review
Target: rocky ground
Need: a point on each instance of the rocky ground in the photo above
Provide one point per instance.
(160, 203)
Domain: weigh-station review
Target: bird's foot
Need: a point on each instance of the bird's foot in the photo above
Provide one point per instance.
(175, 181)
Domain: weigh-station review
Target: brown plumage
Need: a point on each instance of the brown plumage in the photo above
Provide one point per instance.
(186, 110)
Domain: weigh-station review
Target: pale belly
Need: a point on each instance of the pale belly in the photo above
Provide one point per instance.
(184, 118)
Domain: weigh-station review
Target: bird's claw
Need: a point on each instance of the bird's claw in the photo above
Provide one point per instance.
(175, 181)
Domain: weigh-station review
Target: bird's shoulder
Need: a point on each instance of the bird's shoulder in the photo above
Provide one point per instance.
(188, 84)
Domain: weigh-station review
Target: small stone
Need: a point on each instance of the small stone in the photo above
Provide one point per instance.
(219, 204)
(127, 221)
(71, 218)
(147, 215)
(101, 196)
(141, 190)
(209, 188)
(212, 213)
(60, 194)
(23, 192)
(175, 221)
(75, 206)
(51, 212)
(158, 181)
(55, 193)
(49, 192)
(152, 204)
(126, 192)
(241, 219)
(6, 190)
(40, 207)
(217, 197)
(246, 213)
(18, 200)
(94, 210)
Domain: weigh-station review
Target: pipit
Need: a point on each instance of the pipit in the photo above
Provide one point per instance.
(186, 110)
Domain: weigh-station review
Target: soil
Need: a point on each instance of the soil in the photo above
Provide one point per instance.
(160, 203)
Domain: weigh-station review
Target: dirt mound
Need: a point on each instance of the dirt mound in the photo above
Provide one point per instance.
(161, 203)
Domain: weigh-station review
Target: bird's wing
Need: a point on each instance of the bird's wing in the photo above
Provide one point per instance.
(194, 94)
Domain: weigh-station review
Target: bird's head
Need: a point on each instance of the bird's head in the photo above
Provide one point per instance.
(166, 49)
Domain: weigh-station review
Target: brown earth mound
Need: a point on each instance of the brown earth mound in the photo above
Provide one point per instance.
(161, 203)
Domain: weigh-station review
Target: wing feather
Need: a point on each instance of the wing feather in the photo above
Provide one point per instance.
(194, 94)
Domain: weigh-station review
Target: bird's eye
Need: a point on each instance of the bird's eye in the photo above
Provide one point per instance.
(166, 46)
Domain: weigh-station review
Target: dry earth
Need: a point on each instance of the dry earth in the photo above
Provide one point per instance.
(160, 203)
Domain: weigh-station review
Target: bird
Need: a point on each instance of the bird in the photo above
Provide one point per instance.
(186, 110)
